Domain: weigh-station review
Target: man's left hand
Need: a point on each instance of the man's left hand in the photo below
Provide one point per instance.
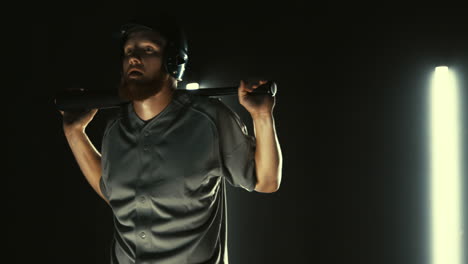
(255, 103)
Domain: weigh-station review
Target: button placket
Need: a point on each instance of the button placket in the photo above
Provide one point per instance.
(143, 200)
(145, 147)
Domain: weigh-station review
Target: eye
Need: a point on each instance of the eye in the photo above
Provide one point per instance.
(128, 52)
(148, 48)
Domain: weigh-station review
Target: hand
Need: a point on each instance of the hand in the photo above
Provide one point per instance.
(77, 120)
(255, 103)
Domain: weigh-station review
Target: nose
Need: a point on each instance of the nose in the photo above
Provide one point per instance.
(134, 59)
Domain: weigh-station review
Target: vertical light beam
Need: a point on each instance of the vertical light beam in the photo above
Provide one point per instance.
(446, 188)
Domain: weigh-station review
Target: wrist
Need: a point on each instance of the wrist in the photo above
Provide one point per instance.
(70, 131)
(261, 115)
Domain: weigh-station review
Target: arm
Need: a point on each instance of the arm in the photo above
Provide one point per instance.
(268, 157)
(88, 158)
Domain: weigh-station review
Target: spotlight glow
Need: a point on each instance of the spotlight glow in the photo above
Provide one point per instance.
(192, 86)
(445, 151)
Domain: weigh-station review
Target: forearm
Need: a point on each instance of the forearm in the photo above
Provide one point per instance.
(87, 157)
(268, 157)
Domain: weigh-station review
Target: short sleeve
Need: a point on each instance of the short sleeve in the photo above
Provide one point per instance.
(103, 188)
(237, 149)
(104, 146)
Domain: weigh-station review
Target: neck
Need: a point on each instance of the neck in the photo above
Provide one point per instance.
(153, 105)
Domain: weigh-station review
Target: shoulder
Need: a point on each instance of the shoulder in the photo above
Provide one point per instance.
(212, 107)
(112, 120)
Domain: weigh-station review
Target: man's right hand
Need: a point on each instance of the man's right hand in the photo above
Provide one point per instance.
(77, 120)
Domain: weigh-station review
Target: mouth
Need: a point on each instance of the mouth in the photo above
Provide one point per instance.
(135, 72)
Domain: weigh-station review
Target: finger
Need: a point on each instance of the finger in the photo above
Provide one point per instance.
(242, 83)
(243, 86)
(261, 82)
(241, 90)
(61, 112)
(245, 91)
(255, 86)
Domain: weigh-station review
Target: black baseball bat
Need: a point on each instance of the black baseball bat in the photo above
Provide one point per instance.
(81, 99)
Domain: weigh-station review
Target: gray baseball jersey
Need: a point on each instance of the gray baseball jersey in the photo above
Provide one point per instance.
(165, 180)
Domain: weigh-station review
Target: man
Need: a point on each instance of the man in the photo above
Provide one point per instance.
(166, 157)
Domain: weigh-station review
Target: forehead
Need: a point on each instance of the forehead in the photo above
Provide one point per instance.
(145, 36)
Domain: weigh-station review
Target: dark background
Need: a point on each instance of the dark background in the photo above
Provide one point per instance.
(351, 118)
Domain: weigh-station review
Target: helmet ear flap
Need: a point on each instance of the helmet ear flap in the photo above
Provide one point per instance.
(176, 54)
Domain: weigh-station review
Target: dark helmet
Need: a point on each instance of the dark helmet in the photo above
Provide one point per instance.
(176, 51)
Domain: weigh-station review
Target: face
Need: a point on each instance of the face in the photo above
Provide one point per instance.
(143, 72)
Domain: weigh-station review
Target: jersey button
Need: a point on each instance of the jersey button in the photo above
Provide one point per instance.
(146, 133)
(145, 147)
(142, 199)
(142, 235)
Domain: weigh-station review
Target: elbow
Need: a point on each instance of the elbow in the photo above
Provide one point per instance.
(268, 184)
(268, 181)
(272, 189)
(267, 188)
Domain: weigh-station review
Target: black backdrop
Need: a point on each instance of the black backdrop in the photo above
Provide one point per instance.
(351, 118)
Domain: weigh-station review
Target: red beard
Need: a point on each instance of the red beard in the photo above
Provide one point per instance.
(140, 89)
